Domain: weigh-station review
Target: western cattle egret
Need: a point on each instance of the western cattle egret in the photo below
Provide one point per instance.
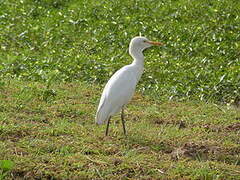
(121, 86)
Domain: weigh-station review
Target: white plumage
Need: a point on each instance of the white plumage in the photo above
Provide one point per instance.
(121, 86)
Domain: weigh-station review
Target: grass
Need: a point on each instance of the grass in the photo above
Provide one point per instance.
(69, 40)
(49, 133)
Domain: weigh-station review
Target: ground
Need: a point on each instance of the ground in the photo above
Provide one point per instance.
(49, 133)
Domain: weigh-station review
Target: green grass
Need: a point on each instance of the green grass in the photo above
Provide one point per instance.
(55, 56)
(70, 40)
(49, 133)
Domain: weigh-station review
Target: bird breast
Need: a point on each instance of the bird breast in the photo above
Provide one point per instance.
(121, 86)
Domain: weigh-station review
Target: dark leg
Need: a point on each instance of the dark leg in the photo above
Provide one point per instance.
(108, 122)
(123, 122)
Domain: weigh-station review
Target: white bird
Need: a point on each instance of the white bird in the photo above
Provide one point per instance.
(121, 86)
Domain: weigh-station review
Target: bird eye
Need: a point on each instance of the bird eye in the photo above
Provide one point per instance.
(144, 41)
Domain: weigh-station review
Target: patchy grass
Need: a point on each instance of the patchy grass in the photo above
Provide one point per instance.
(49, 133)
(47, 130)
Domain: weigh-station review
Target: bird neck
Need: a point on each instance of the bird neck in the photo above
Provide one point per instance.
(138, 58)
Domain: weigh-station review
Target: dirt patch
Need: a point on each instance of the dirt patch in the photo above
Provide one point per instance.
(15, 136)
(160, 121)
(117, 161)
(182, 124)
(68, 113)
(194, 151)
(211, 128)
(20, 174)
(215, 128)
(233, 127)
(204, 152)
(20, 151)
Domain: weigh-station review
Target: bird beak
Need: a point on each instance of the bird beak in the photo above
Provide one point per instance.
(155, 43)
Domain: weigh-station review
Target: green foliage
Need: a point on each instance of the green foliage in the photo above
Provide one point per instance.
(5, 167)
(70, 40)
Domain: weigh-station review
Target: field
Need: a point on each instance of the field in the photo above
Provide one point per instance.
(183, 122)
(49, 40)
(50, 133)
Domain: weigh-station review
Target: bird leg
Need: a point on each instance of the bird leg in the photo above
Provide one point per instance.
(123, 122)
(108, 122)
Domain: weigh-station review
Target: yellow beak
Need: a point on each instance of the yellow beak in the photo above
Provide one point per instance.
(155, 43)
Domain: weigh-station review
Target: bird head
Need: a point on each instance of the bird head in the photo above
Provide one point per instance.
(141, 43)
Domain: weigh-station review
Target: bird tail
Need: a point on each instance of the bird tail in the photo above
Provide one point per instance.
(102, 113)
(99, 120)
(101, 116)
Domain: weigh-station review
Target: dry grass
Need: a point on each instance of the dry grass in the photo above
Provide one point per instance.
(49, 133)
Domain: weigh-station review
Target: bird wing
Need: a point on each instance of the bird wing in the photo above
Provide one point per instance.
(117, 92)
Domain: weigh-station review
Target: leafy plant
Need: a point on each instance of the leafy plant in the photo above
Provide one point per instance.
(71, 40)
(5, 167)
